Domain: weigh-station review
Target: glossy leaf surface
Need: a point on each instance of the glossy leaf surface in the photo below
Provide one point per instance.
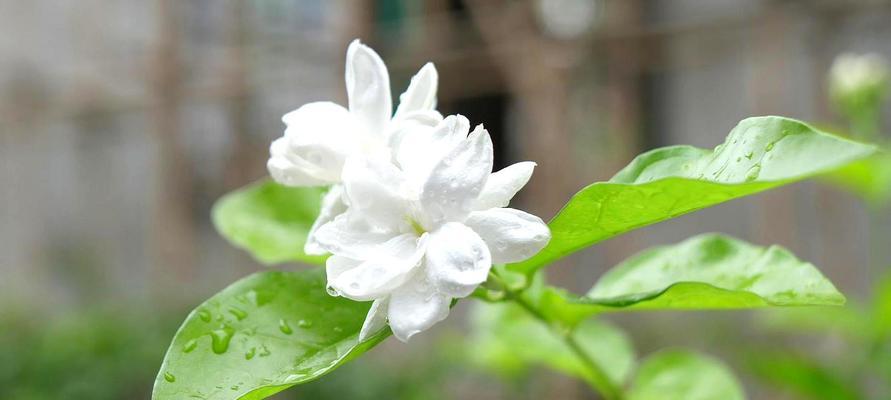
(704, 272)
(760, 153)
(261, 335)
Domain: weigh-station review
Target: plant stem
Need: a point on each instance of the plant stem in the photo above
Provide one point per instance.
(597, 375)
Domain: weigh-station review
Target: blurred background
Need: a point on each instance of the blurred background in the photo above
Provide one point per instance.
(122, 122)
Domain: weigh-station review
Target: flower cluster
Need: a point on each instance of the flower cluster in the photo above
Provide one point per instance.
(415, 216)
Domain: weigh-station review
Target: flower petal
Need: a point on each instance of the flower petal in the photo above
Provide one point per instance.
(351, 235)
(374, 190)
(332, 206)
(336, 265)
(384, 271)
(503, 185)
(511, 235)
(415, 307)
(376, 319)
(455, 182)
(368, 88)
(318, 139)
(421, 146)
(457, 260)
(290, 170)
(421, 92)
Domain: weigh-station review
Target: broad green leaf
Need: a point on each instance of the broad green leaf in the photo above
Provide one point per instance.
(869, 178)
(684, 375)
(509, 341)
(269, 220)
(709, 271)
(261, 335)
(760, 153)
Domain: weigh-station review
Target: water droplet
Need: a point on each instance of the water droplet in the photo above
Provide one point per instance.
(338, 329)
(284, 327)
(204, 315)
(220, 339)
(250, 353)
(331, 291)
(769, 146)
(238, 313)
(749, 155)
(169, 377)
(234, 387)
(738, 159)
(304, 323)
(354, 286)
(753, 173)
(190, 345)
(264, 351)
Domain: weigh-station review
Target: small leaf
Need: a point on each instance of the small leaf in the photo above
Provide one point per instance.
(704, 272)
(261, 335)
(269, 220)
(684, 375)
(759, 154)
(508, 340)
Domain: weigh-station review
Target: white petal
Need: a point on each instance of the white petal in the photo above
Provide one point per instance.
(291, 170)
(512, 235)
(421, 146)
(450, 191)
(374, 190)
(415, 307)
(351, 235)
(388, 268)
(336, 265)
(503, 185)
(368, 87)
(457, 260)
(332, 206)
(421, 92)
(376, 319)
(318, 139)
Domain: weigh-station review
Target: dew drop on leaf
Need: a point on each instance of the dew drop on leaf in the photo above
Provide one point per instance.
(169, 377)
(220, 339)
(250, 353)
(204, 315)
(238, 313)
(304, 323)
(284, 327)
(190, 345)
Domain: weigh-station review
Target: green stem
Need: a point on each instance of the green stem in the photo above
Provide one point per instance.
(598, 377)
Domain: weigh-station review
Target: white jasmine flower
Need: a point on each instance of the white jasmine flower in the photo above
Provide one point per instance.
(427, 229)
(852, 73)
(320, 137)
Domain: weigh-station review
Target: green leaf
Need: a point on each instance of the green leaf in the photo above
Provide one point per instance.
(759, 154)
(709, 271)
(509, 341)
(802, 375)
(269, 220)
(684, 375)
(261, 335)
(869, 178)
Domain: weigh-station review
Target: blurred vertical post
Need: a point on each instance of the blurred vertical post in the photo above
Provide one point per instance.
(241, 160)
(173, 231)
